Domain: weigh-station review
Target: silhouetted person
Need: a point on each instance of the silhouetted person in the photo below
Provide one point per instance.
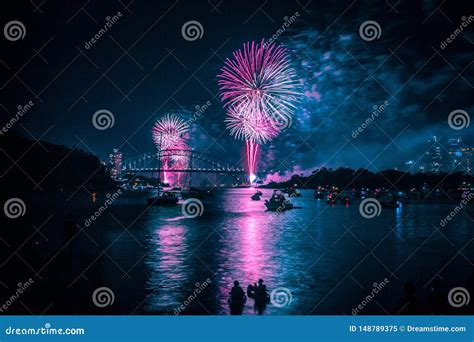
(237, 299)
(436, 298)
(409, 303)
(261, 297)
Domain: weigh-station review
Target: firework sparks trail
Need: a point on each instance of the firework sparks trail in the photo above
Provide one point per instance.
(169, 134)
(259, 89)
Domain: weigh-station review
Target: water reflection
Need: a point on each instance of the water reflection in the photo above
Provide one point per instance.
(168, 255)
(307, 250)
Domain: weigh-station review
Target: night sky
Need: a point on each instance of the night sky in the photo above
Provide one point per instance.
(142, 68)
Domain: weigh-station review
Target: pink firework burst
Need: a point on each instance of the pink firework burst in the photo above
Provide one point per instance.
(169, 134)
(255, 128)
(169, 131)
(260, 90)
(260, 82)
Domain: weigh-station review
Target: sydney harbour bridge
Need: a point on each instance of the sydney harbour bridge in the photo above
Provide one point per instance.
(191, 163)
(186, 162)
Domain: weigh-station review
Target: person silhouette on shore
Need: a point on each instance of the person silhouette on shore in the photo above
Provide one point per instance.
(261, 297)
(237, 299)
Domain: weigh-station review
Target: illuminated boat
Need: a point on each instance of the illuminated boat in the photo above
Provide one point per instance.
(338, 198)
(278, 202)
(256, 196)
(320, 193)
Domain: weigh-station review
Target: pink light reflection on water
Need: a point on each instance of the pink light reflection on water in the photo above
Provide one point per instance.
(171, 246)
(249, 244)
(169, 257)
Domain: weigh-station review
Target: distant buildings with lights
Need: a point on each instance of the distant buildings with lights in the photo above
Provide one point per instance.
(115, 164)
(451, 155)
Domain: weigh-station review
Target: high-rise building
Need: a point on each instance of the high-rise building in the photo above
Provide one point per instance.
(434, 156)
(466, 163)
(456, 156)
(115, 163)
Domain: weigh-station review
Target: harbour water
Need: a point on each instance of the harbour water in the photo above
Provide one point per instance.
(326, 259)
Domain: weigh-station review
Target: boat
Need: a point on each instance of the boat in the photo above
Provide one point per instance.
(164, 198)
(338, 198)
(256, 196)
(320, 193)
(278, 202)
